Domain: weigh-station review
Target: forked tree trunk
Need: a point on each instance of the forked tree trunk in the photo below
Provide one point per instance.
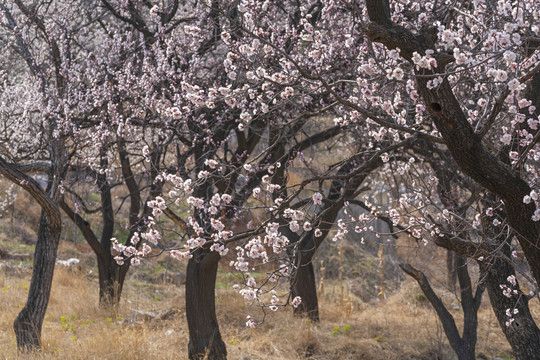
(305, 286)
(204, 337)
(111, 276)
(28, 323)
(463, 345)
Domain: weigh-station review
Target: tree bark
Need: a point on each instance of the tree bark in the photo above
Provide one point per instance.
(305, 286)
(495, 270)
(451, 270)
(522, 334)
(204, 337)
(469, 303)
(111, 281)
(108, 294)
(28, 323)
(111, 276)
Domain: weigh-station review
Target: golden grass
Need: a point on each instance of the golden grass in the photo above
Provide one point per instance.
(403, 326)
(400, 327)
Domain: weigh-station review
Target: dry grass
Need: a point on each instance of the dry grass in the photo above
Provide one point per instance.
(401, 327)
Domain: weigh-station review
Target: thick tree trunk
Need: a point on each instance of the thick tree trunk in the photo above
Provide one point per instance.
(28, 324)
(204, 337)
(304, 285)
(107, 291)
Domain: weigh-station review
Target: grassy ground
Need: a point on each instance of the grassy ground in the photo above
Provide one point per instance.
(354, 324)
(401, 327)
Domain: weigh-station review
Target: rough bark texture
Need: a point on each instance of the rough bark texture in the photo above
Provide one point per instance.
(111, 276)
(204, 337)
(111, 282)
(470, 302)
(28, 323)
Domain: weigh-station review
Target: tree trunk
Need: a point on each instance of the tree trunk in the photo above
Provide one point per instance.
(303, 281)
(304, 285)
(107, 293)
(111, 281)
(111, 276)
(469, 303)
(463, 346)
(523, 335)
(204, 337)
(28, 323)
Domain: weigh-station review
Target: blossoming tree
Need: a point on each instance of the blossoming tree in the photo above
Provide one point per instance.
(274, 115)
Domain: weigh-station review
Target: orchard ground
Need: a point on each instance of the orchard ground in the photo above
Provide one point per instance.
(355, 324)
